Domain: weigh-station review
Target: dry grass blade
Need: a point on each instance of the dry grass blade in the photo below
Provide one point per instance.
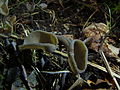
(101, 68)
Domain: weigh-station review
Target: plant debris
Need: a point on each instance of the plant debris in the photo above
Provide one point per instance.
(59, 45)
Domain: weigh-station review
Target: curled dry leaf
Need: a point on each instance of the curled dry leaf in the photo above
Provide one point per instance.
(40, 40)
(4, 7)
(95, 31)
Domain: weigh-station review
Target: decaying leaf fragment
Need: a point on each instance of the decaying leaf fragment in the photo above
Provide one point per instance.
(4, 7)
(95, 31)
(40, 40)
(110, 50)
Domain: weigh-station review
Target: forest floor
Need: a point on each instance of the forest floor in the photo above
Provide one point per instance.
(93, 21)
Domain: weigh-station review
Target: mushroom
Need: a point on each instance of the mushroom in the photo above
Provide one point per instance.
(40, 40)
(77, 54)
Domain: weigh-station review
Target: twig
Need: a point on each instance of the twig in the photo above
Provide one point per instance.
(24, 77)
(108, 68)
(41, 78)
(101, 68)
(56, 72)
(89, 18)
(79, 81)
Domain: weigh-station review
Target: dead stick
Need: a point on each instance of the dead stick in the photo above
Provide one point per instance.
(79, 81)
(102, 68)
(24, 78)
(108, 68)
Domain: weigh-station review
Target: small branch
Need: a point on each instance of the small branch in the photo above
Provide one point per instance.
(24, 78)
(89, 18)
(108, 68)
(79, 81)
(102, 68)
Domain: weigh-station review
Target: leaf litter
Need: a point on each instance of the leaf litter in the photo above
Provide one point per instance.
(88, 22)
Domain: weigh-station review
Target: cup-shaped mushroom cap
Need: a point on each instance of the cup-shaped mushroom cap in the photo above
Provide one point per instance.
(39, 36)
(44, 46)
(80, 55)
(40, 40)
(77, 56)
(4, 7)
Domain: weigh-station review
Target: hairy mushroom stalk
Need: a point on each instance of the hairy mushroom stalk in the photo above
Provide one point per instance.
(40, 40)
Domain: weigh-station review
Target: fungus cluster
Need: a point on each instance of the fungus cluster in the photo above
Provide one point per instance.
(48, 42)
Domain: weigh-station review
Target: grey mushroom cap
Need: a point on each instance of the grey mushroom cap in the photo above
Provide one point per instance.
(77, 57)
(44, 46)
(40, 40)
(77, 54)
(39, 36)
